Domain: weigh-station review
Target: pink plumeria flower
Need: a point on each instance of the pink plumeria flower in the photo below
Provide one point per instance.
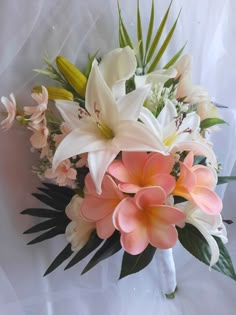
(37, 112)
(64, 174)
(78, 230)
(99, 208)
(10, 106)
(146, 219)
(196, 184)
(140, 169)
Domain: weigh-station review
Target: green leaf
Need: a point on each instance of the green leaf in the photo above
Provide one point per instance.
(59, 196)
(134, 263)
(110, 247)
(140, 33)
(173, 60)
(158, 35)
(64, 254)
(49, 234)
(209, 122)
(123, 30)
(225, 179)
(163, 47)
(42, 226)
(199, 160)
(150, 27)
(93, 242)
(50, 202)
(194, 242)
(41, 213)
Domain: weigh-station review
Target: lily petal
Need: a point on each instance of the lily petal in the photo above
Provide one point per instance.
(77, 142)
(99, 99)
(131, 104)
(69, 111)
(134, 136)
(123, 63)
(198, 148)
(98, 162)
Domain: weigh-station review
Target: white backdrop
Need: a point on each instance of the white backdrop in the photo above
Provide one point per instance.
(75, 28)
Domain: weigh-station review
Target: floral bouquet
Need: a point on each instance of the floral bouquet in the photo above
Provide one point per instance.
(129, 156)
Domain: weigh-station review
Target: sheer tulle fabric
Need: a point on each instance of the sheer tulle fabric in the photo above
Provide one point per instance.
(75, 28)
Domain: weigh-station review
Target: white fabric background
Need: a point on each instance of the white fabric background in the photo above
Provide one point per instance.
(75, 28)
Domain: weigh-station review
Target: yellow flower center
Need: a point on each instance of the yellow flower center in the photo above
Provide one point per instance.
(170, 139)
(105, 131)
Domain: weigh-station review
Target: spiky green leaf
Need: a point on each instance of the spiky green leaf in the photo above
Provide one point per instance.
(42, 226)
(134, 263)
(110, 247)
(123, 30)
(158, 35)
(173, 60)
(150, 27)
(48, 234)
(41, 212)
(163, 47)
(140, 34)
(64, 254)
(93, 242)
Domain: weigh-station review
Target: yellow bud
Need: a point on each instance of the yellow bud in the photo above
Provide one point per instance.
(72, 74)
(55, 93)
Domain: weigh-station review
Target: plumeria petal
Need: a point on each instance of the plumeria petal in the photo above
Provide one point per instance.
(135, 242)
(150, 196)
(163, 237)
(131, 104)
(204, 176)
(159, 163)
(164, 215)
(105, 227)
(207, 200)
(126, 216)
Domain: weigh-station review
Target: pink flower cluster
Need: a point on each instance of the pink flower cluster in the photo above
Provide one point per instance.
(137, 199)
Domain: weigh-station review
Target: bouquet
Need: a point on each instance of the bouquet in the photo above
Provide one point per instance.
(125, 157)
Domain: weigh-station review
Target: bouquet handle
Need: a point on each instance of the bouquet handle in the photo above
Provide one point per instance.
(167, 271)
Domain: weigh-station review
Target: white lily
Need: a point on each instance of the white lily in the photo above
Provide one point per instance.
(123, 63)
(105, 127)
(158, 77)
(178, 134)
(207, 225)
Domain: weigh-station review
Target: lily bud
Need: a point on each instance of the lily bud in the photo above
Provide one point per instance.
(55, 93)
(72, 74)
